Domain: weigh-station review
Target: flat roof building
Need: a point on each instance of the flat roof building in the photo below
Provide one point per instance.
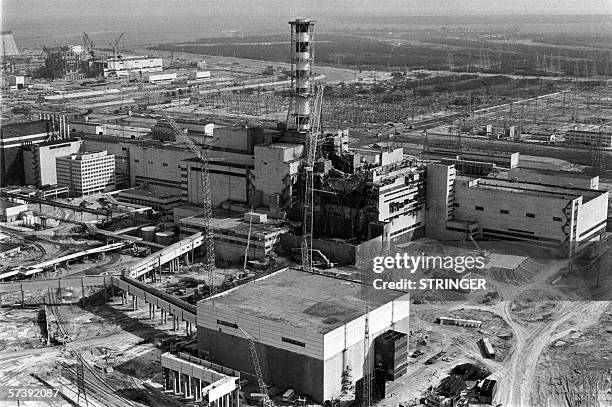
(590, 137)
(12, 139)
(563, 219)
(232, 234)
(86, 173)
(308, 328)
(39, 160)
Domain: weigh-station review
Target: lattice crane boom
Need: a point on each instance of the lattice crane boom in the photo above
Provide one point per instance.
(263, 389)
(313, 135)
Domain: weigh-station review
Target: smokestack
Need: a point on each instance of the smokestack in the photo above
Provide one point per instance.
(302, 57)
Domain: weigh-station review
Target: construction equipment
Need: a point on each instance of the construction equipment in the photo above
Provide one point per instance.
(263, 388)
(202, 155)
(246, 250)
(89, 46)
(313, 135)
(115, 45)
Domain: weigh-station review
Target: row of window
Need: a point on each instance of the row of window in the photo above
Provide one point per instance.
(507, 212)
(284, 339)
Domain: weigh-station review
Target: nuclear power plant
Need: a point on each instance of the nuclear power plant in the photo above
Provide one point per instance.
(231, 221)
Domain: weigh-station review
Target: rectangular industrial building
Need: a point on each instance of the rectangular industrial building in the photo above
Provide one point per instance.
(564, 219)
(13, 137)
(39, 160)
(125, 65)
(307, 329)
(590, 137)
(233, 234)
(86, 173)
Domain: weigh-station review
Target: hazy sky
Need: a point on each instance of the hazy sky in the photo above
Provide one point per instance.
(50, 21)
(48, 9)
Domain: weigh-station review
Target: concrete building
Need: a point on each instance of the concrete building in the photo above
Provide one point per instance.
(15, 82)
(160, 77)
(562, 219)
(86, 173)
(200, 380)
(306, 334)
(157, 165)
(275, 172)
(229, 181)
(10, 211)
(39, 160)
(157, 201)
(12, 139)
(502, 159)
(552, 177)
(118, 147)
(122, 67)
(590, 137)
(232, 234)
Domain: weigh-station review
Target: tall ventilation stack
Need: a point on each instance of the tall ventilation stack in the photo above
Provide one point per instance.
(302, 57)
(8, 44)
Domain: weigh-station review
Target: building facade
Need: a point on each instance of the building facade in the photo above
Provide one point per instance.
(86, 173)
(306, 334)
(563, 219)
(12, 139)
(39, 160)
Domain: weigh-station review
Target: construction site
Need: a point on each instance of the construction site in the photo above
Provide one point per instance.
(185, 229)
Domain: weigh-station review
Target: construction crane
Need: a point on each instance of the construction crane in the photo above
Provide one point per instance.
(115, 45)
(313, 135)
(89, 45)
(263, 389)
(202, 155)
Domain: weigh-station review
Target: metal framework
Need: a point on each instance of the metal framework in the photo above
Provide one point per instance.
(263, 389)
(313, 136)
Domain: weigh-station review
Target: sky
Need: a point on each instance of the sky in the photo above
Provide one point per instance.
(175, 20)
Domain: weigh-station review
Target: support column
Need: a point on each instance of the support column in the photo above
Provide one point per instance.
(133, 303)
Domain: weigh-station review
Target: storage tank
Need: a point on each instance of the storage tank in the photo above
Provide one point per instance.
(148, 233)
(164, 238)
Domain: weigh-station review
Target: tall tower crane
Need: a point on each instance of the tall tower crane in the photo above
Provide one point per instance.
(263, 389)
(311, 146)
(202, 155)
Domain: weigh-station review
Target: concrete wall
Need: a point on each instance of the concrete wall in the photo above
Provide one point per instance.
(515, 225)
(344, 345)
(592, 219)
(275, 168)
(316, 372)
(228, 182)
(157, 166)
(439, 209)
(280, 367)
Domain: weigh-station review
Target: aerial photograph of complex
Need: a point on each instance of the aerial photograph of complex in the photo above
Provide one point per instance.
(347, 203)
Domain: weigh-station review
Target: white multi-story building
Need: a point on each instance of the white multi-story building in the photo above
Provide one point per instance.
(86, 173)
